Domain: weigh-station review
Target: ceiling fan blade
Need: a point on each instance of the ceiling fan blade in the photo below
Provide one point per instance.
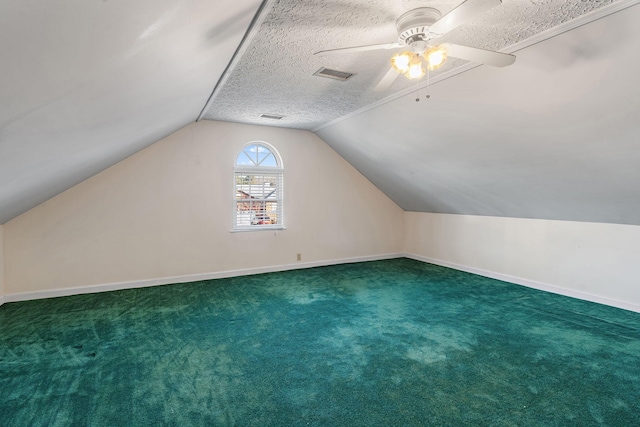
(359, 48)
(463, 13)
(387, 80)
(473, 54)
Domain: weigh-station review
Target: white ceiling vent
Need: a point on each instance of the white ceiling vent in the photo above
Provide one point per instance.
(271, 116)
(333, 74)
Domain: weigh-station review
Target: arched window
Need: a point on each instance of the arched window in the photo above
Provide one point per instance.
(258, 188)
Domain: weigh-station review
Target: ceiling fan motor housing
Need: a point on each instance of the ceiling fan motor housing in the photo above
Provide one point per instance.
(413, 27)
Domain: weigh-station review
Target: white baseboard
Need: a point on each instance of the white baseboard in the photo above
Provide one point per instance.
(61, 292)
(24, 296)
(530, 283)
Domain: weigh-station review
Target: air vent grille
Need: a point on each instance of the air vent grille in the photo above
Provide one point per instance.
(271, 116)
(333, 74)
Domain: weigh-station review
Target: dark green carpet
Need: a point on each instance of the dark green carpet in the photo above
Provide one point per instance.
(385, 343)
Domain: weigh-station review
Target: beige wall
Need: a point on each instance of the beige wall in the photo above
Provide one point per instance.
(599, 262)
(167, 210)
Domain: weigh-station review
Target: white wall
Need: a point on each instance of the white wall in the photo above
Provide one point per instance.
(1, 265)
(166, 213)
(593, 261)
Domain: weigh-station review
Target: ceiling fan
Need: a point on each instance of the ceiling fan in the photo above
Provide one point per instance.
(416, 30)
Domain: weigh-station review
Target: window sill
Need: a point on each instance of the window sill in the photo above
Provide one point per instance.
(242, 230)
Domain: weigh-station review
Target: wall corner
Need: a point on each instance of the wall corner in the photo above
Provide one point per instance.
(1, 264)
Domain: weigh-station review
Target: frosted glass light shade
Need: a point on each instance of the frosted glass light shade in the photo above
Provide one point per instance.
(401, 61)
(415, 68)
(435, 57)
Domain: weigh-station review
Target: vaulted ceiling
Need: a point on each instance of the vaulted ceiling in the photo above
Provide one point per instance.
(552, 136)
(275, 73)
(85, 84)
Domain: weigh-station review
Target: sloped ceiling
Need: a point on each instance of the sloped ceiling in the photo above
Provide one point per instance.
(85, 84)
(555, 136)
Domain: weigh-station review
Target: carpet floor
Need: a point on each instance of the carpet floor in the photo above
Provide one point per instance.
(384, 343)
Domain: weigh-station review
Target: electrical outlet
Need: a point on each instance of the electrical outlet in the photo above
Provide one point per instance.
(299, 257)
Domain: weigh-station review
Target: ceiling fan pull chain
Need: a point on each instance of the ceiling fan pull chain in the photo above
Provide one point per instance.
(428, 96)
(417, 91)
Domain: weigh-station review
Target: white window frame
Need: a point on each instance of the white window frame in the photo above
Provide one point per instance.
(247, 218)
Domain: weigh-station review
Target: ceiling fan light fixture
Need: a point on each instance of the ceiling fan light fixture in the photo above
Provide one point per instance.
(435, 57)
(401, 62)
(416, 30)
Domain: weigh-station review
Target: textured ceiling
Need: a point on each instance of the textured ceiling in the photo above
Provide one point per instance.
(552, 136)
(555, 136)
(274, 74)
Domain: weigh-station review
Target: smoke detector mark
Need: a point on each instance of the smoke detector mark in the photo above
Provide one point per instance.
(333, 74)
